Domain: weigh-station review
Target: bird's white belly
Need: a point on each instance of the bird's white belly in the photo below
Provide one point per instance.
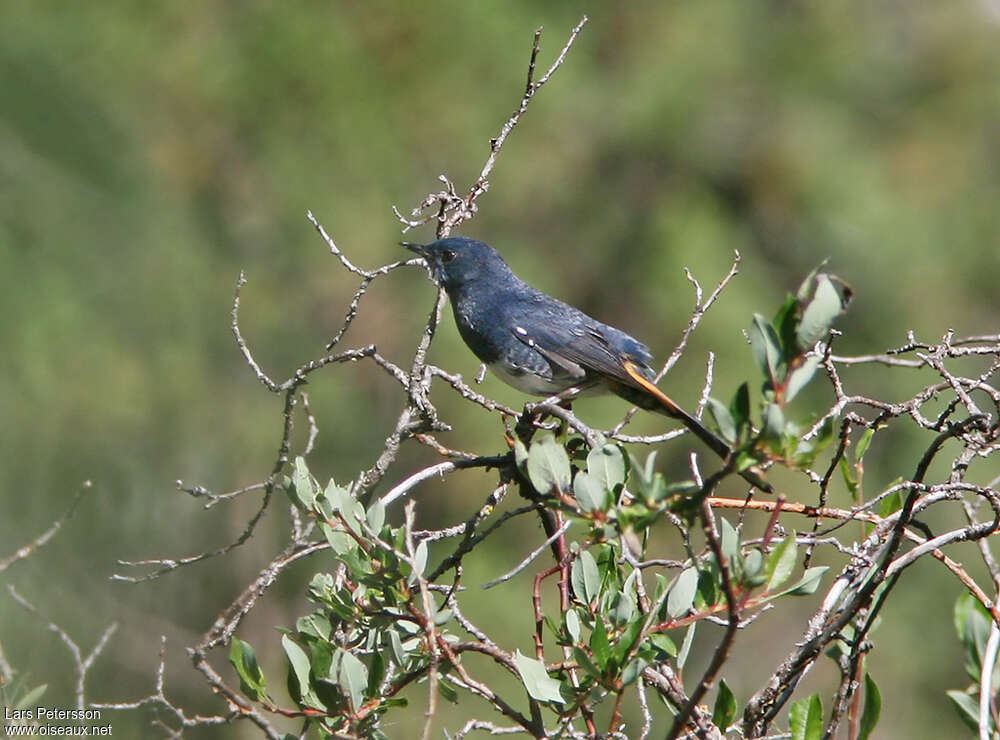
(535, 385)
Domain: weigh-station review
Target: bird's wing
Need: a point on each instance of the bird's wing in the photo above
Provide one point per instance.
(576, 340)
(587, 345)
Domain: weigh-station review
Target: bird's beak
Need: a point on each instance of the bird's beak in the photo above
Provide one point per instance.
(414, 247)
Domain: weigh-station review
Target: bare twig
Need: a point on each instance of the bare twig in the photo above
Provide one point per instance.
(452, 209)
(82, 663)
(41, 540)
(531, 556)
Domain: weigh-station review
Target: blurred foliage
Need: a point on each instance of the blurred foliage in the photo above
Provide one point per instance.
(149, 151)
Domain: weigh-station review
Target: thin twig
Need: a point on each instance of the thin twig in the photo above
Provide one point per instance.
(41, 540)
(531, 556)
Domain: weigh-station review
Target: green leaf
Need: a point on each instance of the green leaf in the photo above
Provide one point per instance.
(781, 562)
(847, 471)
(340, 541)
(682, 656)
(358, 563)
(724, 420)
(623, 609)
(663, 643)
(807, 449)
(965, 605)
(739, 407)
(872, 710)
(343, 500)
(607, 465)
(305, 492)
(974, 637)
(828, 301)
(419, 562)
(585, 577)
(785, 322)
(352, 677)
(244, 660)
(650, 465)
(572, 625)
(628, 638)
(809, 581)
(709, 586)
(890, 504)
(396, 644)
(314, 625)
(520, 454)
(376, 516)
(548, 465)
(443, 617)
(773, 421)
(730, 541)
(766, 347)
(377, 673)
(725, 707)
(299, 662)
(681, 595)
(599, 645)
(863, 444)
(662, 584)
(632, 671)
(353, 512)
(808, 284)
(539, 685)
(590, 492)
(753, 563)
(800, 377)
(805, 719)
(447, 691)
(586, 664)
(967, 707)
(321, 587)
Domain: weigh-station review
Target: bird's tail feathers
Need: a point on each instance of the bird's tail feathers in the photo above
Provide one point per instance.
(646, 395)
(651, 398)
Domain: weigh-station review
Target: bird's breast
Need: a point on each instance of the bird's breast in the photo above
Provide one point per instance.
(479, 329)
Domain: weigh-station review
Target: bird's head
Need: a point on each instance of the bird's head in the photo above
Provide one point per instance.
(459, 260)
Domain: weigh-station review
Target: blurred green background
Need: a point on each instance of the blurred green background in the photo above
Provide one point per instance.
(150, 151)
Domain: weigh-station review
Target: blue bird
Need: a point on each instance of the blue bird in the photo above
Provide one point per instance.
(538, 344)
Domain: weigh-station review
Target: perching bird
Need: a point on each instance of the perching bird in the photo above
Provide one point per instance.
(539, 344)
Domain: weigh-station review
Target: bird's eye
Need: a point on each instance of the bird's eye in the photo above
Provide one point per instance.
(447, 256)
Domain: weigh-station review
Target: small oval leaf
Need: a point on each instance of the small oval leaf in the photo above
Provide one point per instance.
(573, 625)
(681, 596)
(304, 491)
(539, 685)
(585, 577)
(766, 346)
(725, 707)
(800, 377)
(805, 719)
(724, 420)
(590, 493)
(781, 562)
(548, 465)
(873, 708)
(607, 465)
(828, 301)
